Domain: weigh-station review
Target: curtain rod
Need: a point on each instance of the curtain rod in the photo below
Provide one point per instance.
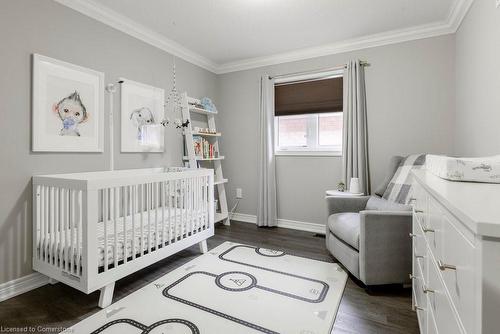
(339, 67)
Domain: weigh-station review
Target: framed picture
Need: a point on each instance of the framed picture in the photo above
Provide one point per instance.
(68, 107)
(142, 111)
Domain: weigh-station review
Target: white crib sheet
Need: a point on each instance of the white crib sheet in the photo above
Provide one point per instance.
(180, 222)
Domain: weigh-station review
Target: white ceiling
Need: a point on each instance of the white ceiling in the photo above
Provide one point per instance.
(234, 34)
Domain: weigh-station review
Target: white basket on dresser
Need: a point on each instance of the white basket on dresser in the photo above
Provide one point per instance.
(456, 255)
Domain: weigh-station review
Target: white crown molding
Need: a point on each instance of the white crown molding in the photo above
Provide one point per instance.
(124, 24)
(458, 12)
(132, 28)
(283, 223)
(21, 285)
(450, 26)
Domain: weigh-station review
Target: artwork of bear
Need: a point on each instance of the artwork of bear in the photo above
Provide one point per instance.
(140, 117)
(72, 112)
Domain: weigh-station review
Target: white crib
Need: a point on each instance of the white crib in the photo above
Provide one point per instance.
(91, 229)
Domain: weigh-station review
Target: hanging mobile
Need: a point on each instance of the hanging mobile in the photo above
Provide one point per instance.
(173, 103)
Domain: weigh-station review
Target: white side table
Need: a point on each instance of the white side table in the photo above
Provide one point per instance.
(342, 193)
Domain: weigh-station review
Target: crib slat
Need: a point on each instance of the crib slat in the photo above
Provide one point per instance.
(163, 201)
(197, 204)
(133, 200)
(72, 230)
(116, 207)
(46, 224)
(191, 204)
(155, 201)
(169, 201)
(67, 229)
(125, 230)
(184, 207)
(57, 212)
(42, 222)
(141, 201)
(105, 225)
(79, 199)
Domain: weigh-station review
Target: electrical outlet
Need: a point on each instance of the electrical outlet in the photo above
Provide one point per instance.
(239, 193)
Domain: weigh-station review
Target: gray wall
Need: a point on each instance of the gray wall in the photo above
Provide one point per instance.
(410, 96)
(45, 27)
(478, 81)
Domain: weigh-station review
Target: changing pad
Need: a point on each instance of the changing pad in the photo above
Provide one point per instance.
(485, 169)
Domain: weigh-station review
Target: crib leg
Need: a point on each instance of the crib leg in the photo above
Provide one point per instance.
(203, 246)
(106, 296)
(53, 281)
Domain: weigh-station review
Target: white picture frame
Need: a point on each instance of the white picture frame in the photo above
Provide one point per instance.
(67, 107)
(141, 105)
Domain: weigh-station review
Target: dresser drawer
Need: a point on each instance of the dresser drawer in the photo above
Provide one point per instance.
(434, 228)
(457, 267)
(440, 304)
(431, 323)
(420, 303)
(419, 201)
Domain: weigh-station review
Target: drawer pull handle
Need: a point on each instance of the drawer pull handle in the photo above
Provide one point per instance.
(428, 230)
(412, 235)
(418, 308)
(419, 256)
(412, 199)
(425, 290)
(419, 211)
(443, 266)
(412, 276)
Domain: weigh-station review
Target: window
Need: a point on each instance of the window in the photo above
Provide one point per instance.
(309, 133)
(308, 117)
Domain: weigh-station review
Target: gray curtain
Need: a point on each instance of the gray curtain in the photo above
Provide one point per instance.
(267, 209)
(355, 134)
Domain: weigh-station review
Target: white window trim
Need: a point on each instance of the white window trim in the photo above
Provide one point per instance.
(306, 151)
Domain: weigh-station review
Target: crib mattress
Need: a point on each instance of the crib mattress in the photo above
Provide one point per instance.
(485, 169)
(130, 241)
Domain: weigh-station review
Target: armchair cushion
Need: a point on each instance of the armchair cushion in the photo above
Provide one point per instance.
(345, 226)
(391, 169)
(380, 204)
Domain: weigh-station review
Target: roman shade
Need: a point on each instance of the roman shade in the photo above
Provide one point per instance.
(310, 97)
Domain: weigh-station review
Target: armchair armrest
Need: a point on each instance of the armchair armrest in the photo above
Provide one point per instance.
(339, 204)
(385, 246)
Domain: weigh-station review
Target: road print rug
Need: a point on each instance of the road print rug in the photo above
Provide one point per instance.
(233, 288)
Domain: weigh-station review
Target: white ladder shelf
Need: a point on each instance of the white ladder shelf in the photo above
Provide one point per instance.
(192, 159)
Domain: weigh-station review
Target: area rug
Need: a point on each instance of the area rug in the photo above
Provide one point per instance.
(233, 288)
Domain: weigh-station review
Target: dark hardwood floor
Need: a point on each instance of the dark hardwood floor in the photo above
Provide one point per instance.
(384, 310)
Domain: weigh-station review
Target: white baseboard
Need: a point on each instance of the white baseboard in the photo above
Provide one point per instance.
(21, 285)
(284, 223)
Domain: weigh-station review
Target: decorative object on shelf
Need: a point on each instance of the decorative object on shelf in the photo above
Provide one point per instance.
(208, 105)
(68, 107)
(204, 130)
(341, 186)
(141, 112)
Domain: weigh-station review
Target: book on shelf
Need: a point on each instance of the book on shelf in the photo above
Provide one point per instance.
(203, 148)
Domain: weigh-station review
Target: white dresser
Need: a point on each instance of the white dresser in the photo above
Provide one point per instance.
(456, 255)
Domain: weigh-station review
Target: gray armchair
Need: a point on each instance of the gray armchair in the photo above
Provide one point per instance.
(370, 237)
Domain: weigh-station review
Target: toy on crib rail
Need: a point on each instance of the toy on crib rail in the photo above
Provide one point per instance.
(72, 112)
